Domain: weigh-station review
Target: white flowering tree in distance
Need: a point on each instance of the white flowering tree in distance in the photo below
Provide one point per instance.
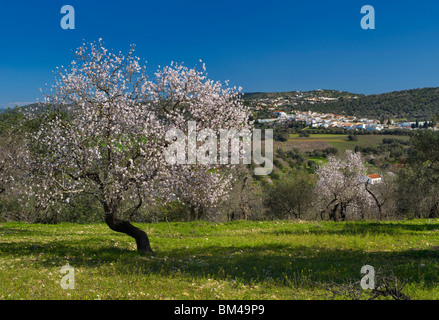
(105, 136)
(340, 186)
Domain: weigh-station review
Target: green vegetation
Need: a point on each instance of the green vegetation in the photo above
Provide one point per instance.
(415, 104)
(251, 258)
(291, 196)
(202, 260)
(412, 104)
(314, 150)
(297, 95)
(342, 142)
(407, 105)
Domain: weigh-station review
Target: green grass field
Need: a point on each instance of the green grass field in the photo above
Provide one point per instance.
(339, 141)
(201, 260)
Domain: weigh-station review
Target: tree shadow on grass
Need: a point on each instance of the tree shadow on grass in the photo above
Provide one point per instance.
(356, 228)
(11, 231)
(302, 265)
(281, 264)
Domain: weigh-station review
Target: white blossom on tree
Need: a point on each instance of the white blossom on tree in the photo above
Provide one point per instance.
(5, 176)
(106, 133)
(340, 188)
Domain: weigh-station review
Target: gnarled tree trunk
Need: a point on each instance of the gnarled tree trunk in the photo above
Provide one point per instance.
(333, 213)
(126, 227)
(434, 210)
(343, 212)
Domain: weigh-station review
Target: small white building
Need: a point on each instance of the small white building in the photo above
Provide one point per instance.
(372, 179)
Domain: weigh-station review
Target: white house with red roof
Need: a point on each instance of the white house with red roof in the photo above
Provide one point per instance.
(372, 179)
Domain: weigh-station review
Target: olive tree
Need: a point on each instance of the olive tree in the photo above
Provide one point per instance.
(291, 196)
(418, 183)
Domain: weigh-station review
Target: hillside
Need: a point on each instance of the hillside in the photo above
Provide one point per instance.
(414, 104)
(421, 104)
(299, 95)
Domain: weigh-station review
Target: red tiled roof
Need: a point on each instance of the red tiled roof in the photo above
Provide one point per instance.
(374, 176)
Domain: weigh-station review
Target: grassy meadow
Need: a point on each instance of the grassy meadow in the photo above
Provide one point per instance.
(204, 260)
(339, 141)
(323, 141)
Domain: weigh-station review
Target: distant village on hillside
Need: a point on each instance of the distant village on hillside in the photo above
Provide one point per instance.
(282, 109)
(324, 120)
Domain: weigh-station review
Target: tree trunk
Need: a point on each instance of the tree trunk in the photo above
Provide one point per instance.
(343, 212)
(243, 203)
(200, 213)
(333, 213)
(140, 236)
(193, 214)
(434, 210)
(378, 203)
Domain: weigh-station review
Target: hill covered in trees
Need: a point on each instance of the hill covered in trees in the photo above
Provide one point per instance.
(299, 95)
(414, 104)
(421, 104)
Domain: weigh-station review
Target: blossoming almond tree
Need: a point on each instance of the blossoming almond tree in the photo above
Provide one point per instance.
(10, 159)
(340, 187)
(4, 174)
(111, 142)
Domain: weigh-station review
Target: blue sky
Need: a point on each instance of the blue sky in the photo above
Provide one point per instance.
(259, 45)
